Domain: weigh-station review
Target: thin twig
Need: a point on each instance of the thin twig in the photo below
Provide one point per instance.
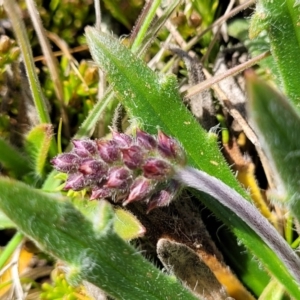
(157, 57)
(216, 36)
(218, 22)
(98, 14)
(65, 49)
(172, 29)
(6, 267)
(231, 72)
(60, 53)
(19, 294)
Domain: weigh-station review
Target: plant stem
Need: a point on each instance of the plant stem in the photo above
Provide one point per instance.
(245, 210)
(145, 25)
(14, 14)
(51, 61)
(288, 230)
(10, 248)
(13, 11)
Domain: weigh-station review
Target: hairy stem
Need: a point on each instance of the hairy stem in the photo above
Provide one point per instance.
(150, 14)
(243, 209)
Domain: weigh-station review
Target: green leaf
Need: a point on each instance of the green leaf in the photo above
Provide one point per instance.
(127, 226)
(13, 160)
(103, 259)
(278, 123)
(281, 19)
(37, 144)
(154, 101)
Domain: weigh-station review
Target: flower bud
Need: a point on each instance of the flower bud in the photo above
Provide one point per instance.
(132, 156)
(91, 75)
(5, 43)
(123, 140)
(159, 199)
(145, 140)
(93, 169)
(170, 148)
(164, 196)
(108, 151)
(157, 169)
(140, 190)
(100, 192)
(118, 177)
(75, 182)
(84, 148)
(65, 162)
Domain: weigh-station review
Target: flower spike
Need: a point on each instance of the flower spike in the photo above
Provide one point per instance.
(124, 168)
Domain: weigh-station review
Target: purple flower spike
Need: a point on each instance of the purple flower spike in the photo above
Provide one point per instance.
(139, 190)
(123, 140)
(108, 151)
(145, 140)
(157, 169)
(170, 148)
(118, 177)
(75, 182)
(133, 156)
(84, 148)
(159, 199)
(124, 169)
(65, 162)
(93, 169)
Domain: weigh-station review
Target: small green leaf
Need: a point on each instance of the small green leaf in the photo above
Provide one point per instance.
(278, 123)
(103, 259)
(127, 226)
(37, 144)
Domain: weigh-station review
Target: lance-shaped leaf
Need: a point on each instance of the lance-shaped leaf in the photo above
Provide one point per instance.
(278, 123)
(37, 144)
(101, 258)
(281, 20)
